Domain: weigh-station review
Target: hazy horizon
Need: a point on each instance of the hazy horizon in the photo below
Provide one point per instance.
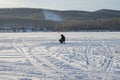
(87, 5)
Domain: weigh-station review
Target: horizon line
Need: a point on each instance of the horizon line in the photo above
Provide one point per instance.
(55, 9)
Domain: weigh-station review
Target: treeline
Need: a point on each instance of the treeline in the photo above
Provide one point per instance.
(112, 24)
(24, 25)
(31, 19)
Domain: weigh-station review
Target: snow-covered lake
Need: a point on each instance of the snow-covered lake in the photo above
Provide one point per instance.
(39, 56)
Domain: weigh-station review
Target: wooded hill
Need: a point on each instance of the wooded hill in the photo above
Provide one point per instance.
(31, 19)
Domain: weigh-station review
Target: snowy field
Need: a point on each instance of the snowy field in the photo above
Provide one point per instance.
(50, 15)
(39, 56)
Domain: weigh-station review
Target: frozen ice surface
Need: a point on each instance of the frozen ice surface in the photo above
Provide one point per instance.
(39, 56)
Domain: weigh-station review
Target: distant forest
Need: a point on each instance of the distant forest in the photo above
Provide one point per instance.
(28, 19)
(91, 25)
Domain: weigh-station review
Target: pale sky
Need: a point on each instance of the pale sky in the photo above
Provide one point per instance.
(89, 5)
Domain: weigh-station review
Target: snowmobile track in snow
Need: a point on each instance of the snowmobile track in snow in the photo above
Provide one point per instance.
(75, 60)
